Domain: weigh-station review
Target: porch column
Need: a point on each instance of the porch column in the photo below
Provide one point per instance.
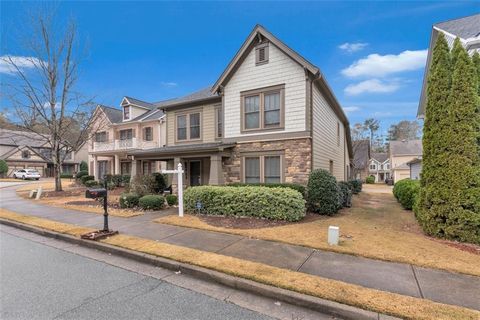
(216, 172)
(95, 167)
(116, 165)
(135, 168)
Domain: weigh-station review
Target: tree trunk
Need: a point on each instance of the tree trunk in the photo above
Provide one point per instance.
(57, 174)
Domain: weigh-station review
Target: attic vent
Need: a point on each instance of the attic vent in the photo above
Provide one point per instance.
(261, 53)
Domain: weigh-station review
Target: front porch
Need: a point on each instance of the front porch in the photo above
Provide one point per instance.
(202, 163)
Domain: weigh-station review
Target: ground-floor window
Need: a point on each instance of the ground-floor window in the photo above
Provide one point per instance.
(125, 168)
(147, 168)
(262, 168)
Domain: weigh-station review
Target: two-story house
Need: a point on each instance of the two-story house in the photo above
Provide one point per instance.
(379, 166)
(270, 117)
(401, 153)
(28, 150)
(137, 126)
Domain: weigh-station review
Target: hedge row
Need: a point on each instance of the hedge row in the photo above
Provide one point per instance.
(246, 201)
(406, 192)
(147, 202)
(295, 186)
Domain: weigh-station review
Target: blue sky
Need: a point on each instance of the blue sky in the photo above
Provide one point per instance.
(372, 53)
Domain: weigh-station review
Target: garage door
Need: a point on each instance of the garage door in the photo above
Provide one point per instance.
(11, 169)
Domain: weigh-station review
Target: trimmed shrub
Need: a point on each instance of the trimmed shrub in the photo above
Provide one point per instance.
(142, 185)
(111, 186)
(356, 185)
(3, 168)
(128, 200)
(86, 178)
(370, 180)
(91, 183)
(323, 195)
(248, 201)
(66, 176)
(171, 199)
(160, 182)
(84, 166)
(151, 202)
(406, 192)
(81, 174)
(125, 179)
(345, 194)
(295, 186)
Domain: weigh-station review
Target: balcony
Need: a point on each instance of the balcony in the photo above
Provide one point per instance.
(119, 145)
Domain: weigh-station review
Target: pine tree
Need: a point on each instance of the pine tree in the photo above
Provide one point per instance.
(434, 141)
(476, 62)
(462, 158)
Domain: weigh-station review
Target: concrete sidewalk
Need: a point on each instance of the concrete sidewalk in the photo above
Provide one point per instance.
(406, 279)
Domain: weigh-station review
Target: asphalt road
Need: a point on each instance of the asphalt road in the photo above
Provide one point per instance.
(42, 282)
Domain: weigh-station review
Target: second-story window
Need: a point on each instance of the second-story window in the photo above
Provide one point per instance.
(219, 122)
(26, 154)
(126, 134)
(126, 113)
(373, 166)
(101, 136)
(188, 126)
(263, 109)
(195, 126)
(148, 134)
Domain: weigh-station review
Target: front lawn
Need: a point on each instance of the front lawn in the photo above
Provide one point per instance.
(375, 227)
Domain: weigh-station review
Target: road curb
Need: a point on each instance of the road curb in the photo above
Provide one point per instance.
(321, 305)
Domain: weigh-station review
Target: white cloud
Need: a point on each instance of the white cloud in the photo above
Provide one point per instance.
(169, 84)
(350, 109)
(353, 47)
(375, 65)
(22, 63)
(371, 86)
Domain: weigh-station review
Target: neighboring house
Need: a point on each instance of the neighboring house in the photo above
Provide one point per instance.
(401, 152)
(270, 117)
(415, 168)
(361, 157)
(138, 126)
(467, 29)
(28, 150)
(379, 166)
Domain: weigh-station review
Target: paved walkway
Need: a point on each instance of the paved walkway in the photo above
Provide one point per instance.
(436, 285)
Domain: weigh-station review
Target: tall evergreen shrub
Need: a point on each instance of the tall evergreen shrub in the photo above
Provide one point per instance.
(449, 201)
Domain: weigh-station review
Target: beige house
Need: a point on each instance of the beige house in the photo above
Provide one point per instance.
(401, 153)
(270, 117)
(27, 150)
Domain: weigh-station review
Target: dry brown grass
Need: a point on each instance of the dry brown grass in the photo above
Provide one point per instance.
(94, 207)
(375, 227)
(10, 180)
(44, 223)
(46, 185)
(375, 300)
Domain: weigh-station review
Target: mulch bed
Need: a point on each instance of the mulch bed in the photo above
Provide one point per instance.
(469, 247)
(250, 222)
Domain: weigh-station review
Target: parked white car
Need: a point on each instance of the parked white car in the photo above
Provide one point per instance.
(26, 174)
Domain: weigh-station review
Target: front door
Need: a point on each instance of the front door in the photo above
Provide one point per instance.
(102, 169)
(195, 172)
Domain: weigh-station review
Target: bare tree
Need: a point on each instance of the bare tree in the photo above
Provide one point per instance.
(405, 130)
(44, 95)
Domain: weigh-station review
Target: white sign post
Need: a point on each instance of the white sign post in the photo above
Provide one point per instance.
(179, 173)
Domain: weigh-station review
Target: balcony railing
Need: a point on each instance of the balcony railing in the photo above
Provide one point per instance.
(123, 145)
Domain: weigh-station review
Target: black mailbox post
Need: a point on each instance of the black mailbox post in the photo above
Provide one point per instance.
(95, 194)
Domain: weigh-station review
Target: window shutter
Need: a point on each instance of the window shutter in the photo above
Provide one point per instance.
(117, 135)
(107, 136)
(133, 133)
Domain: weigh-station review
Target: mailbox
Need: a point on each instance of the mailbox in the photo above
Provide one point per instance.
(96, 193)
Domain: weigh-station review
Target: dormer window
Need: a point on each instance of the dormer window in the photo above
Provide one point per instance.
(261, 53)
(126, 113)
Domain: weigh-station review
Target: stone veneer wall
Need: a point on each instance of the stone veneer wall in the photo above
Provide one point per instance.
(298, 159)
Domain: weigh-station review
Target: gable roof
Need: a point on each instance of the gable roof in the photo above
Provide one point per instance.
(12, 151)
(406, 147)
(138, 103)
(361, 153)
(252, 39)
(380, 156)
(465, 28)
(114, 115)
(21, 138)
